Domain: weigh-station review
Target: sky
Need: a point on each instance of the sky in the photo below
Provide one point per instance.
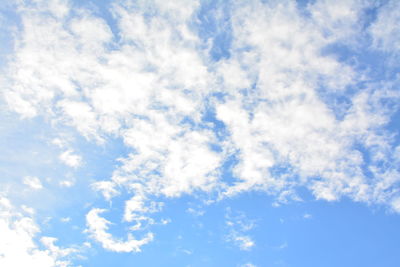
(182, 133)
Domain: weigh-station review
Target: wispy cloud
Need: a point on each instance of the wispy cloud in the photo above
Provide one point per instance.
(33, 182)
(238, 227)
(69, 158)
(97, 228)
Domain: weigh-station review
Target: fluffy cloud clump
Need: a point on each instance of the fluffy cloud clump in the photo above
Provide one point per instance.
(18, 246)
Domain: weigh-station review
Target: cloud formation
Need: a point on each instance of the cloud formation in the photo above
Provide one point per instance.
(33, 182)
(97, 228)
(287, 111)
(18, 246)
(238, 227)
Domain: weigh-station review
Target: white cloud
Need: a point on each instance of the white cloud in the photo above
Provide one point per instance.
(28, 210)
(17, 243)
(238, 225)
(396, 204)
(97, 228)
(70, 159)
(65, 219)
(107, 188)
(282, 246)
(195, 212)
(59, 142)
(55, 251)
(384, 31)
(339, 20)
(283, 122)
(33, 182)
(244, 242)
(283, 131)
(66, 183)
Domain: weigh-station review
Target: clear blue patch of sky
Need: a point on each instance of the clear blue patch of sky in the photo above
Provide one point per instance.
(343, 234)
(302, 6)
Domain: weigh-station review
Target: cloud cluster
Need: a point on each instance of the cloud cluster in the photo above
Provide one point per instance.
(384, 32)
(97, 228)
(238, 227)
(33, 182)
(287, 110)
(18, 246)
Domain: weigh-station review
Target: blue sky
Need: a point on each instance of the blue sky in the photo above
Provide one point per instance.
(199, 133)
